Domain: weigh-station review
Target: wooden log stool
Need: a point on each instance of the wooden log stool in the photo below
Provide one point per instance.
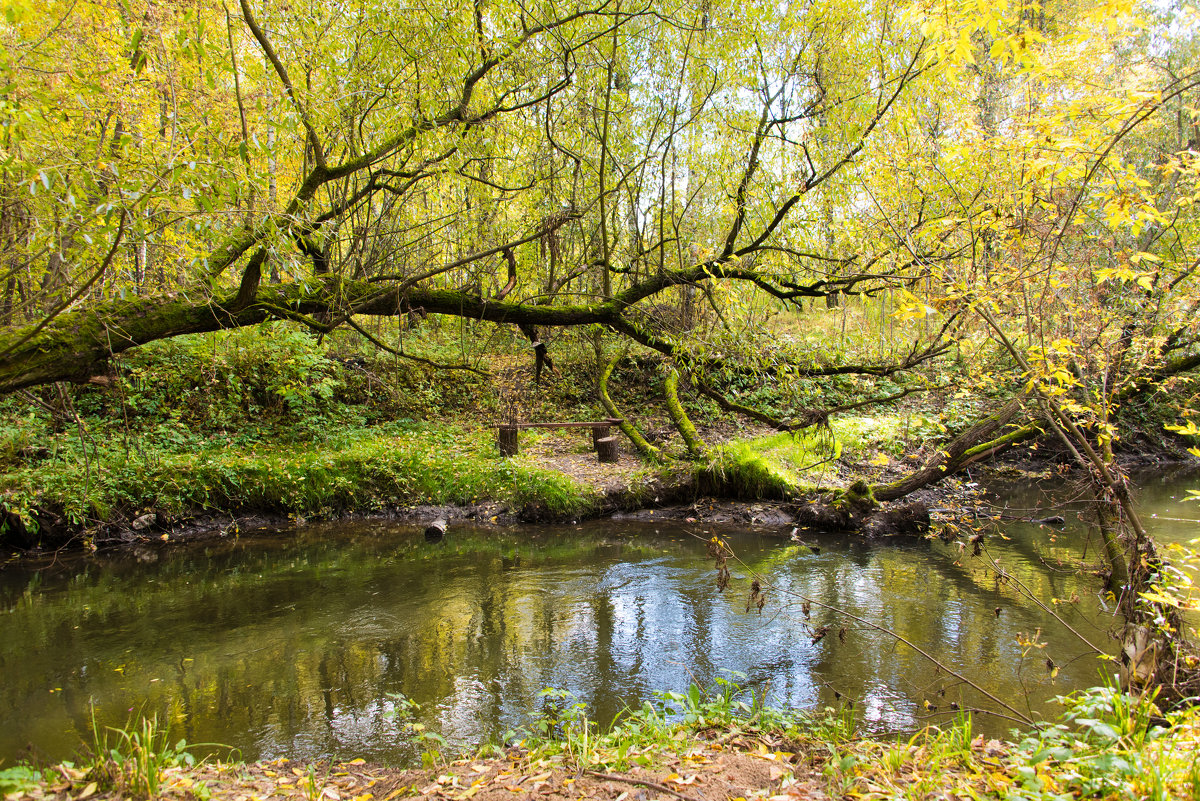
(599, 433)
(606, 449)
(508, 440)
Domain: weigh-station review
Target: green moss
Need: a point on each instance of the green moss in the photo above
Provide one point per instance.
(779, 466)
(1016, 435)
(857, 497)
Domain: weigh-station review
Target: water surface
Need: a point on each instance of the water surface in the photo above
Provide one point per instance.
(299, 644)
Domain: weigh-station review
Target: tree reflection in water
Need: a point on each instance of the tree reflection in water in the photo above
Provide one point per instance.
(294, 645)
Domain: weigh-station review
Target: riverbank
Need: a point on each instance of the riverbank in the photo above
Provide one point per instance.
(136, 488)
(139, 487)
(690, 746)
(209, 436)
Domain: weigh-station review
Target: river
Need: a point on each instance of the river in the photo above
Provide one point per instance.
(303, 643)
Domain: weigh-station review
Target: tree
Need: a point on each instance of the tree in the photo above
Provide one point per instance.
(605, 153)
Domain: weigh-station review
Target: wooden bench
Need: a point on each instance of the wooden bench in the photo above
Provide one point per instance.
(603, 441)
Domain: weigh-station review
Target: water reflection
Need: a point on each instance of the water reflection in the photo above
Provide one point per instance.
(299, 646)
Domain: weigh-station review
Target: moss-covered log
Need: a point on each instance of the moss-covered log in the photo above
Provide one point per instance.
(976, 443)
(691, 438)
(76, 345)
(630, 430)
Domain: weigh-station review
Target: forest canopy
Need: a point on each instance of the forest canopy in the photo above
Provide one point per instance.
(1009, 176)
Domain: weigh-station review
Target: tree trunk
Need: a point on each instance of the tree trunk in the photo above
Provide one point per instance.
(436, 530)
(679, 417)
(644, 448)
(507, 441)
(975, 443)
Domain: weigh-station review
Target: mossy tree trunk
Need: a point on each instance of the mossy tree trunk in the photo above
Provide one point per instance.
(630, 430)
(979, 441)
(691, 438)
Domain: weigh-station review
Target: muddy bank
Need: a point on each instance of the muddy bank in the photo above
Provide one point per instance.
(44, 530)
(677, 503)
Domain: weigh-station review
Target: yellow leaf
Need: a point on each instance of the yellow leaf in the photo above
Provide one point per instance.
(1159, 598)
(675, 778)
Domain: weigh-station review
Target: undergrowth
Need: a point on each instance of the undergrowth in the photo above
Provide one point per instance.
(1105, 744)
(641, 736)
(132, 760)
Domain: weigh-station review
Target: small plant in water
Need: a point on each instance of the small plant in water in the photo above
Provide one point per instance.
(433, 745)
(404, 711)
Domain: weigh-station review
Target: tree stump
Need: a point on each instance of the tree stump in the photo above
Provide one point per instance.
(435, 531)
(508, 440)
(599, 433)
(606, 449)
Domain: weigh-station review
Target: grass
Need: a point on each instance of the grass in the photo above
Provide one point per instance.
(362, 468)
(132, 760)
(642, 736)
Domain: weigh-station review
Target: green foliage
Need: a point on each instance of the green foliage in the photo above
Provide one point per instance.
(17, 432)
(1105, 745)
(19, 780)
(132, 759)
(224, 378)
